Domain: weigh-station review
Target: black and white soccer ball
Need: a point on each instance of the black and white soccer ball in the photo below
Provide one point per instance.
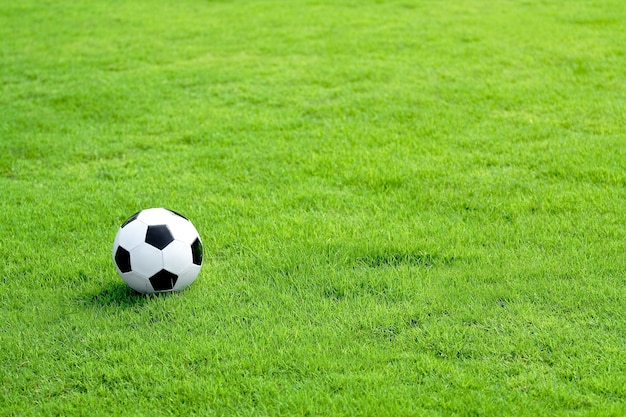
(157, 250)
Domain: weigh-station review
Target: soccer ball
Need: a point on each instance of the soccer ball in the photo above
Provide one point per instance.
(157, 250)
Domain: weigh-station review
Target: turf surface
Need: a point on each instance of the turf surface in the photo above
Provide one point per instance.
(407, 207)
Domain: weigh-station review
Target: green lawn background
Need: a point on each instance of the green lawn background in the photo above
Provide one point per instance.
(407, 207)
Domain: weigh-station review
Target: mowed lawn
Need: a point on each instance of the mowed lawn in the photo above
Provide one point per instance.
(408, 208)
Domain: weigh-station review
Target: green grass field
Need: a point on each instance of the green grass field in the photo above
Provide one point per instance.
(408, 208)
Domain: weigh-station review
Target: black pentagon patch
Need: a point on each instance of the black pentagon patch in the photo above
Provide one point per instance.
(178, 214)
(159, 236)
(122, 259)
(197, 252)
(131, 218)
(163, 280)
